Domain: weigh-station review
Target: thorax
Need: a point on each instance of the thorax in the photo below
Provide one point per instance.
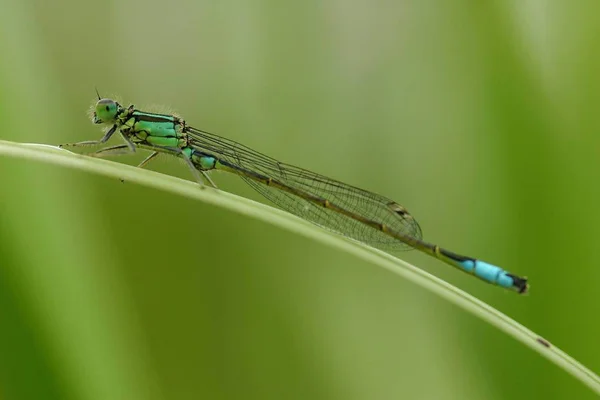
(153, 129)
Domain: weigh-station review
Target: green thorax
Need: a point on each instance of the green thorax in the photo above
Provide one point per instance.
(159, 132)
(152, 129)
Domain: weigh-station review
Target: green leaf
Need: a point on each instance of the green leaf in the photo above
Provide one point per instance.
(56, 156)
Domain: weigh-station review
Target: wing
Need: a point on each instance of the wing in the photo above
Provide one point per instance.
(356, 201)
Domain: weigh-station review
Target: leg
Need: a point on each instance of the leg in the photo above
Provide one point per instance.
(93, 142)
(147, 159)
(200, 179)
(128, 141)
(205, 175)
(117, 150)
(120, 150)
(197, 174)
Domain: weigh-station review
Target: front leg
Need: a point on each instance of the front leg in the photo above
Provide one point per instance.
(118, 150)
(125, 137)
(122, 149)
(92, 142)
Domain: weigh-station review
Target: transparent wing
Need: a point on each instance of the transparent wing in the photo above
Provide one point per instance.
(357, 201)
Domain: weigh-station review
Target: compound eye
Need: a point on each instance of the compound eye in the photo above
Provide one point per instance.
(106, 111)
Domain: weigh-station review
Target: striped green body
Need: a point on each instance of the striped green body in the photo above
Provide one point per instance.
(153, 129)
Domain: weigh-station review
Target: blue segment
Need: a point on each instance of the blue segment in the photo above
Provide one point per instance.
(506, 281)
(468, 265)
(207, 162)
(488, 272)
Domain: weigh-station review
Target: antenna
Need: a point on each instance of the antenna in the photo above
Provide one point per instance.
(97, 93)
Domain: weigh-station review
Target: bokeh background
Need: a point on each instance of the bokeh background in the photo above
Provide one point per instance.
(482, 119)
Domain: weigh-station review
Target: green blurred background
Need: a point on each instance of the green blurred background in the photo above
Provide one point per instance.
(482, 119)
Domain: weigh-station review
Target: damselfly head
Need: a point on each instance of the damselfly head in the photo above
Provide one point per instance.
(106, 111)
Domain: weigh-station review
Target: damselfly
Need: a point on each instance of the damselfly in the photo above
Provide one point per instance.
(347, 210)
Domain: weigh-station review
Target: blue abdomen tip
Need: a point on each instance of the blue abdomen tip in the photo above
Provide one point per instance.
(488, 272)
